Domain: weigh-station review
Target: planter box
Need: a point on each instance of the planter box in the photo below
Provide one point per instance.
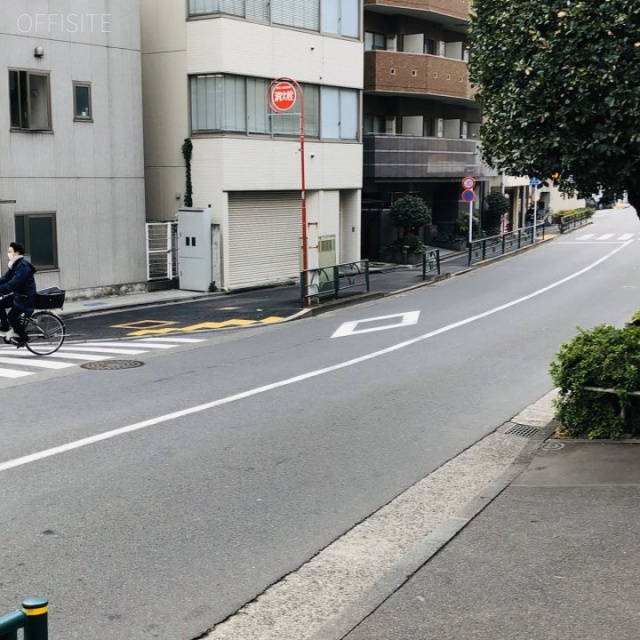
(398, 257)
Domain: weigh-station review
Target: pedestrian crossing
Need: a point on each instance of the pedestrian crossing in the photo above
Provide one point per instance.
(16, 364)
(587, 238)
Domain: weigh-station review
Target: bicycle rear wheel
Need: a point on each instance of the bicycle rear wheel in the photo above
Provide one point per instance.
(46, 333)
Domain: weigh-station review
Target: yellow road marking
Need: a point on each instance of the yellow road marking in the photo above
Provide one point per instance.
(205, 325)
(143, 324)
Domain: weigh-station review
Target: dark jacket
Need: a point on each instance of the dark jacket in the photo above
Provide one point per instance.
(19, 280)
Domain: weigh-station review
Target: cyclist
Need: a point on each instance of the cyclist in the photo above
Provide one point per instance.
(19, 281)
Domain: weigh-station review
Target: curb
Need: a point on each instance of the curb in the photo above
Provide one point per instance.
(429, 547)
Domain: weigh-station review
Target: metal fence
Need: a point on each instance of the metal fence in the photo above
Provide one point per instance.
(162, 251)
(572, 220)
(328, 282)
(504, 243)
(32, 619)
(430, 262)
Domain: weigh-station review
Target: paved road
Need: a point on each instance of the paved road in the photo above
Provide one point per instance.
(216, 468)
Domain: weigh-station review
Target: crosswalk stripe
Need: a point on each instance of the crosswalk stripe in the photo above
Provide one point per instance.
(43, 364)
(606, 236)
(626, 236)
(13, 373)
(150, 345)
(585, 237)
(131, 352)
(60, 354)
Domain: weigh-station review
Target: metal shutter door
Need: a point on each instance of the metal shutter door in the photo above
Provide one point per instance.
(264, 237)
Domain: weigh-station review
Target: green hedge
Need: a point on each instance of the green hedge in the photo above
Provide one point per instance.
(607, 358)
(557, 217)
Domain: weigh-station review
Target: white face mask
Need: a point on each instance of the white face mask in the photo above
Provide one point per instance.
(11, 256)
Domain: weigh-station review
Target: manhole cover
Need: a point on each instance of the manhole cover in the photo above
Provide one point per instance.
(522, 430)
(112, 365)
(553, 446)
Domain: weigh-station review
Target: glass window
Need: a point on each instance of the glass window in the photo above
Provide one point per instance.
(341, 17)
(374, 41)
(373, 124)
(82, 101)
(296, 13)
(37, 232)
(257, 109)
(430, 47)
(29, 100)
(205, 7)
(340, 108)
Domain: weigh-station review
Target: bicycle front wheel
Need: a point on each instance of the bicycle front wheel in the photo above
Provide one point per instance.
(46, 333)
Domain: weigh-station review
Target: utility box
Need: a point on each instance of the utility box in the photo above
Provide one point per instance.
(195, 249)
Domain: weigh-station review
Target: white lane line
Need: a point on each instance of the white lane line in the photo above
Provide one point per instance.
(43, 364)
(83, 348)
(12, 373)
(132, 345)
(60, 354)
(606, 236)
(100, 437)
(159, 339)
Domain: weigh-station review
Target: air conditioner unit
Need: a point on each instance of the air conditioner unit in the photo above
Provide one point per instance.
(392, 42)
(463, 130)
(439, 127)
(442, 47)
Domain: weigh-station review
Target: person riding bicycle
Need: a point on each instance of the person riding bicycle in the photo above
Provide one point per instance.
(19, 281)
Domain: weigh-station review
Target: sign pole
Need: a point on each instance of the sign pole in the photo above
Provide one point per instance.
(468, 195)
(535, 212)
(284, 93)
(471, 222)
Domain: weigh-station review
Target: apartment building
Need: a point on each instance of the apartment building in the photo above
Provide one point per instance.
(207, 67)
(71, 171)
(420, 120)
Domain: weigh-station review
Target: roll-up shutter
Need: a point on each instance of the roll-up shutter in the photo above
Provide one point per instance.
(264, 237)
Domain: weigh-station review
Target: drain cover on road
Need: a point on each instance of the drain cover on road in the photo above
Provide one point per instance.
(112, 365)
(522, 430)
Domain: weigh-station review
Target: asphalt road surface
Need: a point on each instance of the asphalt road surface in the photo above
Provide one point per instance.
(154, 502)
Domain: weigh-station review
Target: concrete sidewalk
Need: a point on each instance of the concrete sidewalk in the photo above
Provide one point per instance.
(552, 557)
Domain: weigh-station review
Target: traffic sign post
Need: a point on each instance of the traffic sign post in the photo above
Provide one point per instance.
(534, 182)
(468, 195)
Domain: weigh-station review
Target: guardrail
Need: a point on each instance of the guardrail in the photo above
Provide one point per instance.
(32, 618)
(430, 262)
(328, 282)
(573, 220)
(504, 243)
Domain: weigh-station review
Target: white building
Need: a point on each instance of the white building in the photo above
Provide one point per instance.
(71, 139)
(207, 66)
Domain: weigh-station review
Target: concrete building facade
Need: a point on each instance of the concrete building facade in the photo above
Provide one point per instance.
(207, 67)
(72, 142)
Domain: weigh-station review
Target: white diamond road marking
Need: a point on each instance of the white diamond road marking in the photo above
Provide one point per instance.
(351, 328)
(83, 351)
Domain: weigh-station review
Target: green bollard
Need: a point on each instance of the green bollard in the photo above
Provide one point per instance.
(36, 624)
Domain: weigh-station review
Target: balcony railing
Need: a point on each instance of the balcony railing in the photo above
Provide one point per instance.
(416, 73)
(388, 157)
(458, 9)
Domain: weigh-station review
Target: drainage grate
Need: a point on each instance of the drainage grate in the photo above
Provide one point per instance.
(522, 430)
(112, 365)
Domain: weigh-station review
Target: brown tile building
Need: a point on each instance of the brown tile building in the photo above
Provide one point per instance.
(420, 119)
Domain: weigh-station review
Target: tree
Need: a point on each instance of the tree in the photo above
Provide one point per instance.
(409, 213)
(496, 205)
(187, 153)
(559, 82)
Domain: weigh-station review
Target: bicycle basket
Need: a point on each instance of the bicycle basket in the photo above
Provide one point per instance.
(51, 298)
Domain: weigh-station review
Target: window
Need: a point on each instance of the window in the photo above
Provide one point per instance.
(236, 104)
(374, 41)
(37, 232)
(339, 113)
(206, 7)
(29, 100)
(82, 101)
(430, 47)
(341, 17)
(373, 124)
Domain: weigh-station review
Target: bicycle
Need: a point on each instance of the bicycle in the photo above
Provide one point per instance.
(45, 328)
